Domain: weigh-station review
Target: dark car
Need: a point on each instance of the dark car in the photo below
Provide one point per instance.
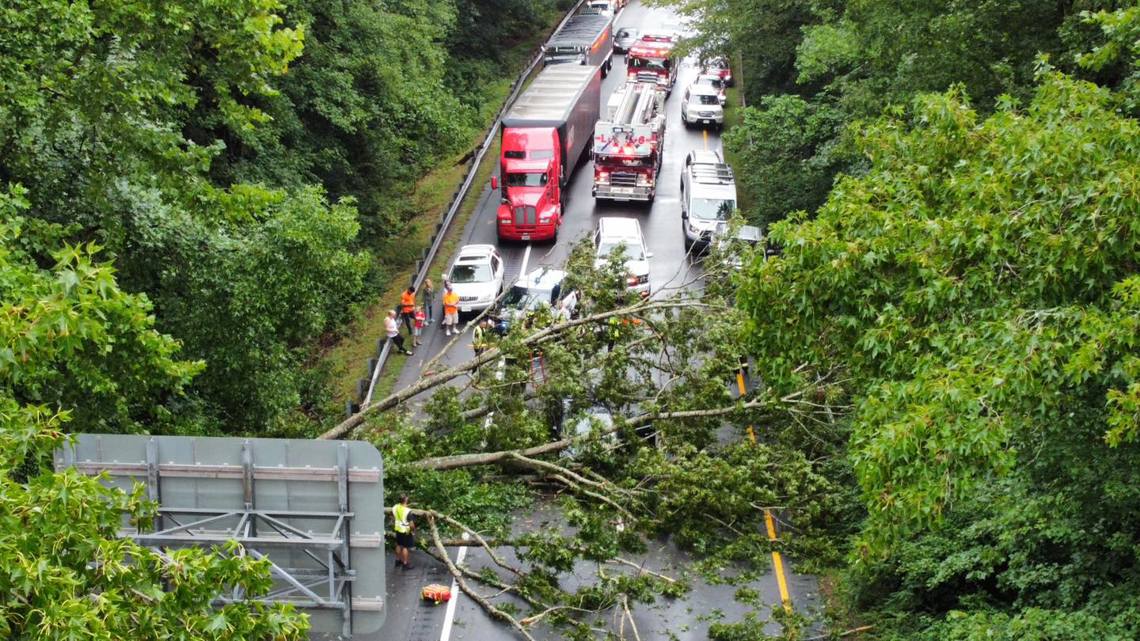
(541, 287)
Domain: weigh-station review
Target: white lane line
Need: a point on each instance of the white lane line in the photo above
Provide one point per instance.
(449, 616)
(526, 259)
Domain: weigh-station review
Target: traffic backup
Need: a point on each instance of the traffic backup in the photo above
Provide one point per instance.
(628, 143)
(544, 137)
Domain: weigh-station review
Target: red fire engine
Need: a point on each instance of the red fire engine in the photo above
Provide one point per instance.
(628, 142)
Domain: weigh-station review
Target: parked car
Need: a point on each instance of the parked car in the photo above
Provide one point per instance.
(542, 287)
(714, 81)
(708, 196)
(624, 38)
(720, 67)
(477, 276)
(614, 232)
(701, 105)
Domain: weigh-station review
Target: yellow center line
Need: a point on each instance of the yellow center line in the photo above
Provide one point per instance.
(769, 522)
(778, 563)
(706, 135)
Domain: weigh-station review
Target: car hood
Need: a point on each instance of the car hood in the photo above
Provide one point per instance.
(474, 289)
(635, 267)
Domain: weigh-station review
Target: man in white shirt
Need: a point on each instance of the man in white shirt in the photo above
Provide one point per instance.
(392, 326)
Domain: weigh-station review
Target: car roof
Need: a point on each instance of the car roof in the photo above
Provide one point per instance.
(703, 89)
(468, 253)
(704, 156)
(620, 228)
(544, 278)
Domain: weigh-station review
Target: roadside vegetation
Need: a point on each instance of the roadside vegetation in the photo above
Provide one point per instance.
(953, 189)
(196, 197)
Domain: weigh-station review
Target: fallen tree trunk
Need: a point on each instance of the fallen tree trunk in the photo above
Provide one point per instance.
(424, 384)
(501, 456)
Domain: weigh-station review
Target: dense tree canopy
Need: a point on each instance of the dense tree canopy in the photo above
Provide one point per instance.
(977, 289)
(242, 165)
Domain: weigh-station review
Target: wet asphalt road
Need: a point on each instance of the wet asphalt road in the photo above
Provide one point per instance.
(686, 619)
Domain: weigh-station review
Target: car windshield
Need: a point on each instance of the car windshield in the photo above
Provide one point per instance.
(528, 179)
(470, 274)
(626, 33)
(632, 252)
(712, 208)
(706, 99)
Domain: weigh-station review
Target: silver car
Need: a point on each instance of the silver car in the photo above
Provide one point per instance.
(624, 38)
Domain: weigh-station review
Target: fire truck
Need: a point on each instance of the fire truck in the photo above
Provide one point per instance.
(652, 61)
(628, 143)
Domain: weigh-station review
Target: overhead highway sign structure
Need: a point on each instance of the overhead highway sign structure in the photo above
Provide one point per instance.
(314, 509)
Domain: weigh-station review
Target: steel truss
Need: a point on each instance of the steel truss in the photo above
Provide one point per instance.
(308, 552)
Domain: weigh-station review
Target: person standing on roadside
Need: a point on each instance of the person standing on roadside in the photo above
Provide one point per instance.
(392, 327)
(420, 319)
(429, 300)
(408, 308)
(405, 532)
(450, 310)
(479, 337)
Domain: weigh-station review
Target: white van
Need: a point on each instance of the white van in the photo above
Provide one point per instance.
(614, 232)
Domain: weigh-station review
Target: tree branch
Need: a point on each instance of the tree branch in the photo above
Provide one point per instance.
(429, 382)
(475, 596)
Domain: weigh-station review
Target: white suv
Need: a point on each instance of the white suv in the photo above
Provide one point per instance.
(477, 276)
(614, 232)
(708, 196)
(701, 105)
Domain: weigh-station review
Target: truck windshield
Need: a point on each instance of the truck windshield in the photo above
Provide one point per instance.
(712, 208)
(470, 274)
(653, 64)
(520, 179)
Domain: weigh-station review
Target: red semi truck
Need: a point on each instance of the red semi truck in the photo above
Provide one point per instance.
(544, 136)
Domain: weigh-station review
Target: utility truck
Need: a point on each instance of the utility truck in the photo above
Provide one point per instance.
(586, 39)
(628, 142)
(545, 134)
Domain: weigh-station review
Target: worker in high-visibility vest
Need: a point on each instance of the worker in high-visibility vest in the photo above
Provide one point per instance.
(408, 308)
(405, 528)
(450, 310)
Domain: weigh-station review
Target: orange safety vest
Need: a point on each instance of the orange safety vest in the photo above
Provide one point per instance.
(450, 302)
(407, 302)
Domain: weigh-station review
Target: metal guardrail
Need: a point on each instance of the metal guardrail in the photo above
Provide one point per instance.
(367, 386)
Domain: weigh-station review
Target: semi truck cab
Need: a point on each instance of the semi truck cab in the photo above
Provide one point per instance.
(531, 191)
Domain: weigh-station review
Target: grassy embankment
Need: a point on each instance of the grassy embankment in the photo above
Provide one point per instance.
(346, 359)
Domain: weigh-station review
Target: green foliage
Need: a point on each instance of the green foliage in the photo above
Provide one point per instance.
(70, 339)
(364, 112)
(76, 348)
(788, 158)
(977, 290)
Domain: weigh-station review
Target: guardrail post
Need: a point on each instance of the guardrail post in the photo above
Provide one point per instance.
(362, 388)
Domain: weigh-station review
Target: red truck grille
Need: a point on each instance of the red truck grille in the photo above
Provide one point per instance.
(623, 179)
(525, 216)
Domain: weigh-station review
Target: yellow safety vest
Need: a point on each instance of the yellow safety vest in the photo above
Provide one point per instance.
(401, 512)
